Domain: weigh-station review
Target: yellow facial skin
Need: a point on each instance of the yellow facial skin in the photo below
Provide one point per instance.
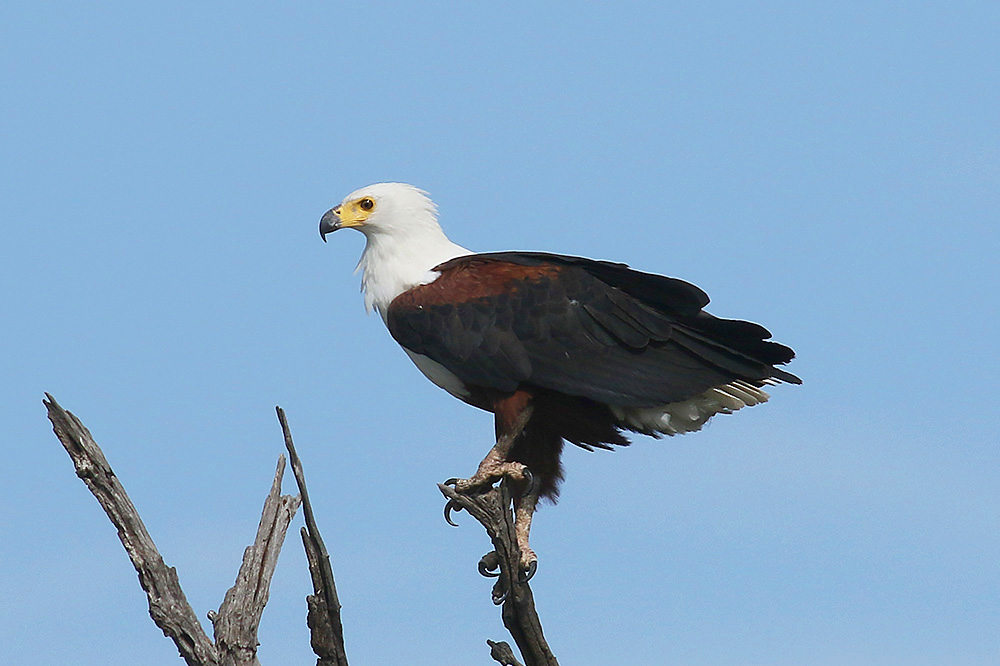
(354, 213)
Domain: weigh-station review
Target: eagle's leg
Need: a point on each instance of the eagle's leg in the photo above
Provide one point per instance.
(524, 510)
(513, 414)
(494, 467)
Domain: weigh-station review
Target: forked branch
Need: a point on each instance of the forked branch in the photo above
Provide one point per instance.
(239, 616)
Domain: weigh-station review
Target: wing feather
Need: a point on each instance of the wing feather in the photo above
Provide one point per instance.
(596, 330)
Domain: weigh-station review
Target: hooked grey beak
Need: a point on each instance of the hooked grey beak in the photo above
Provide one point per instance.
(329, 223)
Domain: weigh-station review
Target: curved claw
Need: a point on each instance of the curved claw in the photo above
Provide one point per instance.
(499, 596)
(489, 563)
(452, 482)
(529, 573)
(452, 505)
(533, 484)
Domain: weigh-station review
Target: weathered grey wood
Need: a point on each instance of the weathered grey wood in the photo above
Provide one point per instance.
(325, 627)
(168, 606)
(492, 509)
(238, 618)
(502, 653)
(239, 615)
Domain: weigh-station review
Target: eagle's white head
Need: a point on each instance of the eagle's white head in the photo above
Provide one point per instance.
(403, 239)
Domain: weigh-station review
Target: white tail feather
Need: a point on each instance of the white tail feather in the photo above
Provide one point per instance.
(691, 414)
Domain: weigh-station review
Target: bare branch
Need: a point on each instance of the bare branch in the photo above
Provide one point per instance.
(492, 510)
(239, 615)
(168, 606)
(502, 653)
(238, 618)
(327, 632)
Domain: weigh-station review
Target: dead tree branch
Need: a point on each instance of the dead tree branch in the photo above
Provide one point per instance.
(502, 653)
(168, 606)
(493, 510)
(325, 626)
(239, 616)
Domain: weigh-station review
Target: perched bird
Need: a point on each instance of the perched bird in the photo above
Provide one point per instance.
(558, 348)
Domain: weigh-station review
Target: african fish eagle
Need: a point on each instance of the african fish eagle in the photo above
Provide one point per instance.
(558, 348)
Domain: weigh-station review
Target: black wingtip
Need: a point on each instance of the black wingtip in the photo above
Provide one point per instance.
(784, 376)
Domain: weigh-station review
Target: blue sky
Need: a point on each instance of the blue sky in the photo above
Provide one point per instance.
(830, 171)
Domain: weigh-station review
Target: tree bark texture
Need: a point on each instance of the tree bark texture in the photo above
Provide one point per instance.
(493, 510)
(326, 630)
(239, 616)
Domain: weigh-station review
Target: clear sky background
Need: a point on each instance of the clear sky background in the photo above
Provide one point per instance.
(829, 170)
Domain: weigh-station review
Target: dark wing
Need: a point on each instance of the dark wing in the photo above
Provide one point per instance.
(587, 328)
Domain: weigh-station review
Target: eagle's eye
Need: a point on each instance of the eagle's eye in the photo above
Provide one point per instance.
(366, 204)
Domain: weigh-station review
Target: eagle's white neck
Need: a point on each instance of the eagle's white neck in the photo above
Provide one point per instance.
(401, 257)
